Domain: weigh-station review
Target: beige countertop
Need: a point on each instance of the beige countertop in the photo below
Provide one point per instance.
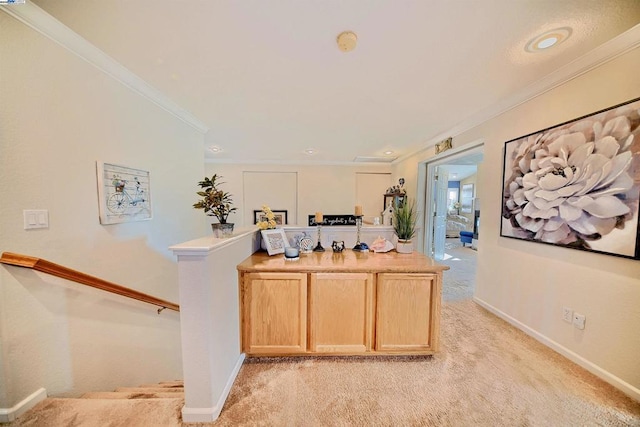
(346, 261)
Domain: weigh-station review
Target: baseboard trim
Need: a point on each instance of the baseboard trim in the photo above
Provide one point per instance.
(607, 376)
(227, 387)
(198, 415)
(204, 415)
(10, 414)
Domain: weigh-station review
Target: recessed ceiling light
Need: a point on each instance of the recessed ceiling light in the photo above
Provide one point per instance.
(548, 39)
(388, 152)
(310, 151)
(547, 42)
(215, 149)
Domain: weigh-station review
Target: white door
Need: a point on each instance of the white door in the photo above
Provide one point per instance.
(440, 223)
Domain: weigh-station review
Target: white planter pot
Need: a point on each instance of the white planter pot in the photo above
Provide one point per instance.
(222, 230)
(404, 246)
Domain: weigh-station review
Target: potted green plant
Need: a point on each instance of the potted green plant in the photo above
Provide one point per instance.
(404, 225)
(216, 202)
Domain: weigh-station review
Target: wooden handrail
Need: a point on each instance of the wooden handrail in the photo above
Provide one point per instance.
(54, 269)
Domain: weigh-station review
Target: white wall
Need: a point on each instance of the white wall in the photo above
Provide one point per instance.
(258, 191)
(58, 115)
(210, 319)
(329, 189)
(529, 283)
(369, 187)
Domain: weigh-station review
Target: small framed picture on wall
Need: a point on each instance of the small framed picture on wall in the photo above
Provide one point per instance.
(280, 216)
(466, 199)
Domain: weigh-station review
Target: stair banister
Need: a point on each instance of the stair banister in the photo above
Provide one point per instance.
(57, 270)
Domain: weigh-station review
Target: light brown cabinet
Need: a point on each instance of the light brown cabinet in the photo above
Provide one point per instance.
(352, 303)
(404, 312)
(340, 312)
(274, 313)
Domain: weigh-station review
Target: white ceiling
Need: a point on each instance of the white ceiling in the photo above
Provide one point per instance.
(268, 80)
(460, 172)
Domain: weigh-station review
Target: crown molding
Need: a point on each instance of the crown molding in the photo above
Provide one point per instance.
(232, 161)
(36, 18)
(602, 54)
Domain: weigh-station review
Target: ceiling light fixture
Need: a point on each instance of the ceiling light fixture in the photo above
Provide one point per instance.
(215, 149)
(548, 39)
(347, 41)
(388, 152)
(310, 151)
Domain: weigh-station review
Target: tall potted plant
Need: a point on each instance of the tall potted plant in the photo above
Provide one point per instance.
(404, 225)
(216, 202)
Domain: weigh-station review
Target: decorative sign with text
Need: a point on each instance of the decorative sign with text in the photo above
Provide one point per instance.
(333, 220)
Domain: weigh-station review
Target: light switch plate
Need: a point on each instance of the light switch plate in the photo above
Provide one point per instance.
(35, 218)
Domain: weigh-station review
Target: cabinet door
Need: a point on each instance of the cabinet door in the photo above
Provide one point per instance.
(407, 310)
(340, 312)
(274, 313)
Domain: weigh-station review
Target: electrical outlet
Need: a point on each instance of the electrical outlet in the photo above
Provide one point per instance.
(579, 320)
(567, 314)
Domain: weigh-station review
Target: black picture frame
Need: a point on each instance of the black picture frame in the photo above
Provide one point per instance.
(281, 216)
(397, 200)
(332, 220)
(577, 184)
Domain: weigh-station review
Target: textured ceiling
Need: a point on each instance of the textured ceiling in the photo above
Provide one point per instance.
(269, 81)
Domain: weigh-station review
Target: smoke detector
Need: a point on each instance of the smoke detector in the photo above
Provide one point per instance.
(347, 41)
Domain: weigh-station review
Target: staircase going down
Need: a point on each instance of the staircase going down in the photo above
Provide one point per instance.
(147, 405)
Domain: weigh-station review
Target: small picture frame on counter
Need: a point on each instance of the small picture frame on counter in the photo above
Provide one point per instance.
(275, 240)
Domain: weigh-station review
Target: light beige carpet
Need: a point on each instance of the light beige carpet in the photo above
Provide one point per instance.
(148, 405)
(54, 412)
(487, 374)
(459, 280)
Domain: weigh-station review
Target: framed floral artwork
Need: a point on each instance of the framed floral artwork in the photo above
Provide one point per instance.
(275, 240)
(577, 184)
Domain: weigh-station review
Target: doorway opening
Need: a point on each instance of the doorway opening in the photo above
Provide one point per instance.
(449, 187)
(452, 215)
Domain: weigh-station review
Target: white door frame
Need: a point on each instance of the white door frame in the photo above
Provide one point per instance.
(426, 169)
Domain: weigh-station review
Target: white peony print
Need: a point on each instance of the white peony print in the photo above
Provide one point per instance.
(574, 183)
